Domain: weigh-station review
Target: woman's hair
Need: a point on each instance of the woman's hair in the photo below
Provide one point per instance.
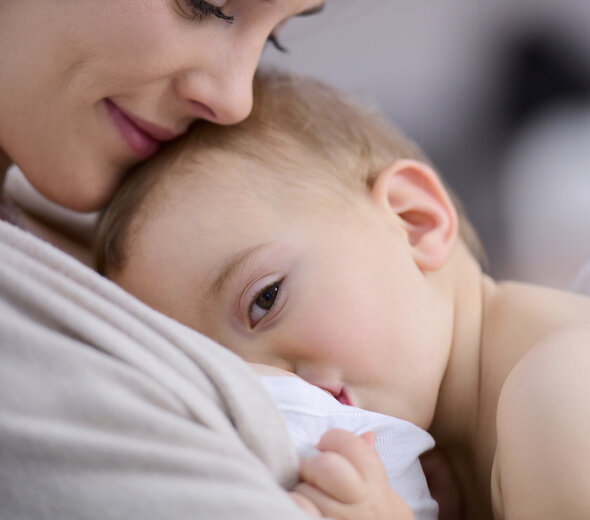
(297, 125)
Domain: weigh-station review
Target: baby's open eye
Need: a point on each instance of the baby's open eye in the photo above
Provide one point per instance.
(263, 302)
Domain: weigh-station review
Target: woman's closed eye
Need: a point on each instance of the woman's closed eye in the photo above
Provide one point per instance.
(263, 302)
(199, 9)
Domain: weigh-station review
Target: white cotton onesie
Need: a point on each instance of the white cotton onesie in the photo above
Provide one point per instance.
(310, 412)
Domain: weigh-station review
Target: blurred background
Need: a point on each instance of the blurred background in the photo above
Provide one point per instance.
(496, 92)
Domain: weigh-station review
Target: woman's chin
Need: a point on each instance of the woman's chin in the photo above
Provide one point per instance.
(84, 194)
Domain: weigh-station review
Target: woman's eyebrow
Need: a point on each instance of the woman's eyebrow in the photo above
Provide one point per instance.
(230, 268)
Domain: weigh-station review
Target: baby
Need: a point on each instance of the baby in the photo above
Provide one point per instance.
(315, 238)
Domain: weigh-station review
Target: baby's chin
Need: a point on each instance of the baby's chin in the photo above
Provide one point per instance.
(267, 370)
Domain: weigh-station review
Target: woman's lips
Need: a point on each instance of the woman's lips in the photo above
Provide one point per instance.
(142, 143)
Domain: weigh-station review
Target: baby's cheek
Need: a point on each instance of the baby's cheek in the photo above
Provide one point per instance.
(338, 337)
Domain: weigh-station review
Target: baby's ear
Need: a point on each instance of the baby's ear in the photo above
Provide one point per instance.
(413, 192)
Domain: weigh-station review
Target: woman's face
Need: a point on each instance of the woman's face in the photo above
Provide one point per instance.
(89, 88)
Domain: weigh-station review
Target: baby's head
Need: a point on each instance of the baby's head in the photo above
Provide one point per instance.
(301, 134)
(303, 237)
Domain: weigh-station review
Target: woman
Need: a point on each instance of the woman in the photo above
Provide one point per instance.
(108, 409)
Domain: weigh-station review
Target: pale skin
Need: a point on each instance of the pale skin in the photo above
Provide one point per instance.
(88, 89)
(497, 371)
(347, 481)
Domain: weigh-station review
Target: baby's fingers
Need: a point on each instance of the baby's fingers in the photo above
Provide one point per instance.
(306, 504)
(377, 505)
(358, 450)
(327, 506)
(333, 475)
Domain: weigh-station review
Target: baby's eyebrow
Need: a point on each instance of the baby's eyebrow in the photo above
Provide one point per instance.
(229, 269)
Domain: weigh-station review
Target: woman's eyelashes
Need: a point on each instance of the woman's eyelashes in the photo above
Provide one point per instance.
(263, 302)
(274, 41)
(198, 10)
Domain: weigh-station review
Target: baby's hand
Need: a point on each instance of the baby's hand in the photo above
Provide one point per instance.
(347, 481)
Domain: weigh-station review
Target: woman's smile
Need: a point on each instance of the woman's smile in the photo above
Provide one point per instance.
(147, 67)
(143, 138)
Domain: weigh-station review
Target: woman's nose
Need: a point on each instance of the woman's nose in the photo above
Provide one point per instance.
(233, 98)
(224, 86)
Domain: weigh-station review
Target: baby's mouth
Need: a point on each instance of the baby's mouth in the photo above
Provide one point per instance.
(338, 392)
(343, 397)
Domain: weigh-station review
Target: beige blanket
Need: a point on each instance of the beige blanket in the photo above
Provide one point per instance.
(109, 410)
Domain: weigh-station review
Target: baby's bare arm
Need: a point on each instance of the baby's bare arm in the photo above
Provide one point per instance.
(347, 481)
(542, 460)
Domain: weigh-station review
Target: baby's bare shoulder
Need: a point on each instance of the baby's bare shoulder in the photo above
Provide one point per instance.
(543, 425)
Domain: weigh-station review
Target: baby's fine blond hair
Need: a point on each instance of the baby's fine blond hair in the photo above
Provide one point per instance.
(299, 129)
